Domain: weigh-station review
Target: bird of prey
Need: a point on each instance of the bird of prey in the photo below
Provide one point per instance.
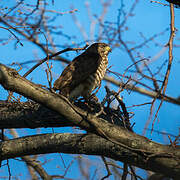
(85, 73)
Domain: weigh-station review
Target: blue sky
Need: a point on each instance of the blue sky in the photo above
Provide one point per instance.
(148, 18)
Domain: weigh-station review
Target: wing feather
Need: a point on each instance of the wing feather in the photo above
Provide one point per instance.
(77, 71)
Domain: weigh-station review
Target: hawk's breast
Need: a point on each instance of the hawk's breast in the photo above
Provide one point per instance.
(94, 80)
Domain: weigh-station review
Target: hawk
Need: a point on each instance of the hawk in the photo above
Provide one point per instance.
(85, 73)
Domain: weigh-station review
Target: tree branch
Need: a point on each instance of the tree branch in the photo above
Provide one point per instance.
(88, 144)
(143, 91)
(33, 115)
(160, 156)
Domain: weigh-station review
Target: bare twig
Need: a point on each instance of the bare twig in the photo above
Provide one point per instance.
(51, 56)
(125, 171)
(12, 9)
(119, 167)
(49, 74)
(159, 3)
(142, 90)
(133, 173)
(8, 29)
(170, 44)
(107, 168)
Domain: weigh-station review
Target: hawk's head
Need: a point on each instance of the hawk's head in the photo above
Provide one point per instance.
(100, 48)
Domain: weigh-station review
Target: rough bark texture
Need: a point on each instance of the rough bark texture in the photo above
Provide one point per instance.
(29, 115)
(89, 144)
(115, 142)
(33, 115)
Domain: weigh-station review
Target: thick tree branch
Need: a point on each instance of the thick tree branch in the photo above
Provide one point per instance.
(88, 144)
(32, 163)
(166, 157)
(29, 115)
(33, 115)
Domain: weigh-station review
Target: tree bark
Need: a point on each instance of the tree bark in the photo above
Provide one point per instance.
(151, 155)
(89, 144)
(29, 115)
(33, 115)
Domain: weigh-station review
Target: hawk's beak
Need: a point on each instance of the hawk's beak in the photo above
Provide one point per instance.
(108, 49)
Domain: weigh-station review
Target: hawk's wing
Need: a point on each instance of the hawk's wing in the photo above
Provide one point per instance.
(78, 71)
